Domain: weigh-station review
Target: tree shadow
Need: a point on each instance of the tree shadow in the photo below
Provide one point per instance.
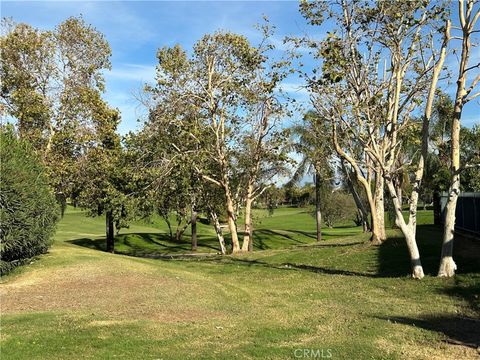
(457, 330)
(95, 244)
(146, 244)
(262, 234)
(287, 266)
(460, 330)
(394, 260)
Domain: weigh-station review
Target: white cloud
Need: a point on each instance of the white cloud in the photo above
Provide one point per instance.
(132, 72)
(295, 88)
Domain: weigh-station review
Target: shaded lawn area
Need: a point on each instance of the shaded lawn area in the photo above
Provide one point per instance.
(340, 295)
(285, 227)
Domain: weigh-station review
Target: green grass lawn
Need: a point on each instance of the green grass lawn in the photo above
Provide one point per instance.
(291, 296)
(284, 228)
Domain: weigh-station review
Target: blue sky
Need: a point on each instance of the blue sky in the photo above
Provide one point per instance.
(136, 29)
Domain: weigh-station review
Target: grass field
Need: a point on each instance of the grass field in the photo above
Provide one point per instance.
(292, 298)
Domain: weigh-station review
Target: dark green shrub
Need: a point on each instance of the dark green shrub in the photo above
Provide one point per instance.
(28, 210)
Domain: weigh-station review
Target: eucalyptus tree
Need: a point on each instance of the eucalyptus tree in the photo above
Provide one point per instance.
(262, 152)
(370, 104)
(328, 84)
(164, 158)
(51, 81)
(216, 85)
(468, 14)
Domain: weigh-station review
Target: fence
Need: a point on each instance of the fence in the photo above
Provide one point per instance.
(467, 215)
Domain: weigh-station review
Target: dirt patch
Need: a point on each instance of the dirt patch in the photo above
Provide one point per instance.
(94, 288)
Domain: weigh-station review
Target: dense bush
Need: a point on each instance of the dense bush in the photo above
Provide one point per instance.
(28, 210)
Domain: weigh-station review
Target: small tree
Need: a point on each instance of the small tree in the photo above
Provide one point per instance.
(337, 207)
(104, 176)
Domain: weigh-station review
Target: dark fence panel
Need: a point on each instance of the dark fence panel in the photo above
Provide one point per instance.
(467, 215)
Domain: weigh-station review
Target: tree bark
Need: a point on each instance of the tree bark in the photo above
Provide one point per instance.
(247, 237)
(169, 225)
(356, 197)
(109, 232)
(408, 231)
(181, 230)
(194, 230)
(447, 265)
(232, 226)
(218, 231)
(377, 237)
(318, 213)
(380, 204)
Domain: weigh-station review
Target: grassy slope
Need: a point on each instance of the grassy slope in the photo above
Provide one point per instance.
(341, 295)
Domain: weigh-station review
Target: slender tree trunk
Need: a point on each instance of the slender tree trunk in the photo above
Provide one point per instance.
(365, 226)
(181, 230)
(399, 190)
(218, 231)
(169, 225)
(232, 226)
(376, 237)
(247, 236)
(380, 204)
(194, 230)
(109, 232)
(318, 213)
(447, 265)
(358, 201)
(408, 231)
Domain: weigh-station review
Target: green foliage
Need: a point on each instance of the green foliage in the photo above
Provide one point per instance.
(105, 176)
(51, 84)
(470, 153)
(312, 140)
(336, 207)
(28, 210)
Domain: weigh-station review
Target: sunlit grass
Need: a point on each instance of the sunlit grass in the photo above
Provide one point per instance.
(342, 294)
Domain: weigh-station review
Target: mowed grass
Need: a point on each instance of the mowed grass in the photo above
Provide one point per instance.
(291, 297)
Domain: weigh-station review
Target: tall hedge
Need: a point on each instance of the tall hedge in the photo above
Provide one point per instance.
(28, 210)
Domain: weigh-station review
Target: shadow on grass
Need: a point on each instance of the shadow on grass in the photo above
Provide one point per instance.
(393, 258)
(458, 330)
(293, 267)
(138, 244)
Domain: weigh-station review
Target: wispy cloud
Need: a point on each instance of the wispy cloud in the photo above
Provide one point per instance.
(295, 88)
(132, 72)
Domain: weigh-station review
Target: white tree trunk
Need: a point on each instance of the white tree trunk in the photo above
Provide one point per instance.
(408, 231)
(247, 237)
(380, 204)
(447, 265)
(218, 231)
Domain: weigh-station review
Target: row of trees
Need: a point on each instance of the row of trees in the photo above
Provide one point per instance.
(216, 138)
(379, 76)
